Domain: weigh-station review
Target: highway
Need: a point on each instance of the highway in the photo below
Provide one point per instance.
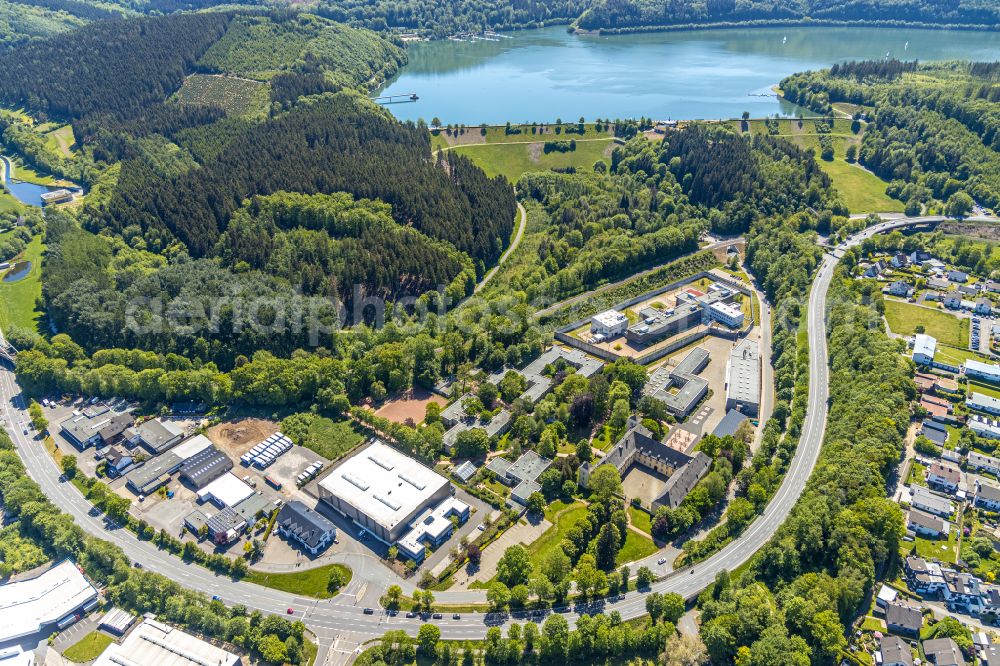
(340, 617)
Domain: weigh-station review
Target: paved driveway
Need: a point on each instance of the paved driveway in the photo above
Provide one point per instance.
(523, 533)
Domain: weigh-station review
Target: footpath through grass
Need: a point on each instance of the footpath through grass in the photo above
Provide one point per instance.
(308, 582)
(88, 648)
(17, 299)
(948, 329)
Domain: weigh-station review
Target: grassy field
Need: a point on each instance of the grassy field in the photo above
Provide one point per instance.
(308, 583)
(984, 388)
(88, 648)
(640, 519)
(863, 191)
(956, 355)
(903, 319)
(916, 475)
(8, 204)
(332, 439)
(514, 160)
(60, 141)
(237, 97)
(563, 518)
(17, 299)
(939, 548)
(635, 548)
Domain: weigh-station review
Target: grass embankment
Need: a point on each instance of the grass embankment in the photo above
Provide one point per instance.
(308, 582)
(948, 329)
(88, 648)
(641, 520)
(862, 191)
(498, 134)
(17, 299)
(516, 159)
(635, 548)
(61, 141)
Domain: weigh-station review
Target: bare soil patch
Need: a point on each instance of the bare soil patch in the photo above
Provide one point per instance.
(238, 437)
(409, 405)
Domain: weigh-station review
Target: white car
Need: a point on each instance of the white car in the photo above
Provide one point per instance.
(662, 560)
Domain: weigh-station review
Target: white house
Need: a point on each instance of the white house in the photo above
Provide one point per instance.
(986, 463)
(926, 525)
(924, 348)
(952, 300)
(899, 288)
(979, 370)
(987, 496)
(984, 306)
(983, 403)
(944, 477)
(609, 324)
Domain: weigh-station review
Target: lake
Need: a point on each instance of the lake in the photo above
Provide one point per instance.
(541, 75)
(26, 193)
(18, 271)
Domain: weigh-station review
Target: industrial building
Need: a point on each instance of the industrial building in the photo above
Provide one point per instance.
(679, 387)
(924, 348)
(116, 621)
(155, 435)
(156, 472)
(743, 378)
(639, 447)
(96, 425)
(31, 605)
(230, 522)
(308, 527)
(153, 642)
(383, 490)
(692, 307)
(433, 528)
(227, 490)
(521, 475)
(608, 324)
(205, 467)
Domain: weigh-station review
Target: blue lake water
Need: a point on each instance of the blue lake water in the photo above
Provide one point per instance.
(26, 193)
(542, 75)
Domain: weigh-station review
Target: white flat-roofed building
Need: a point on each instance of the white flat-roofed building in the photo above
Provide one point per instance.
(979, 370)
(433, 527)
(984, 427)
(729, 314)
(984, 403)
(743, 378)
(227, 490)
(383, 490)
(31, 605)
(191, 446)
(610, 323)
(924, 348)
(156, 643)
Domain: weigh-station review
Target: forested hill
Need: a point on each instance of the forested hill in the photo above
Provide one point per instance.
(338, 142)
(934, 132)
(632, 15)
(116, 68)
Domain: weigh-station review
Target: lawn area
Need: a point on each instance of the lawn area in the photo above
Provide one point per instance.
(61, 141)
(88, 648)
(635, 548)
(514, 160)
(916, 475)
(562, 520)
(8, 204)
(17, 299)
(308, 583)
(640, 519)
(948, 329)
(985, 389)
(332, 439)
(955, 355)
(939, 548)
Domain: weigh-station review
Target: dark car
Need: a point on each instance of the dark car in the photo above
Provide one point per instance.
(369, 611)
(456, 616)
(437, 616)
(411, 614)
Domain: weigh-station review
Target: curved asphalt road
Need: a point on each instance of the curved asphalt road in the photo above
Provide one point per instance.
(339, 616)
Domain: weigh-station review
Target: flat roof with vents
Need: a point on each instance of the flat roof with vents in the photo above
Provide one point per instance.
(155, 643)
(32, 604)
(383, 484)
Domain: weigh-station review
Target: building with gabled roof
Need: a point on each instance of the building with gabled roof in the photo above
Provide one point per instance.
(308, 527)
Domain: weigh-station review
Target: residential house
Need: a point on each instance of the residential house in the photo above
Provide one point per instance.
(987, 496)
(962, 592)
(923, 499)
(943, 477)
(919, 257)
(899, 288)
(310, 529)
(876, 269)
(118, 460)
(979, 370)
(991, 286)
(943, 652)
(985, 427)
(958, 276)
(924, 349)
(968, 290)
(925, 525)
(886, 595)
(924, 577)
(952, 300)
(983, 403)
(983, 462)
(932, 296)
(900, 260)
(895, 652)
(903, 619)
(984, 306)
(934, 431)
(939, 284)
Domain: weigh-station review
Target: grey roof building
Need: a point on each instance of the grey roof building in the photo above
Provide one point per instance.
(895, 651)
(943, 652)
(153, 474)
(156, 435)
(309, 528)
(639, 447)
(730, 423)
(679, 387)
(465, 471)
(96, 425)
(903, 619)
(205, 466)
(743, 378)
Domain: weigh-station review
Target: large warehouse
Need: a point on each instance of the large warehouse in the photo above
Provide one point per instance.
(383, 490)
(31, 605)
